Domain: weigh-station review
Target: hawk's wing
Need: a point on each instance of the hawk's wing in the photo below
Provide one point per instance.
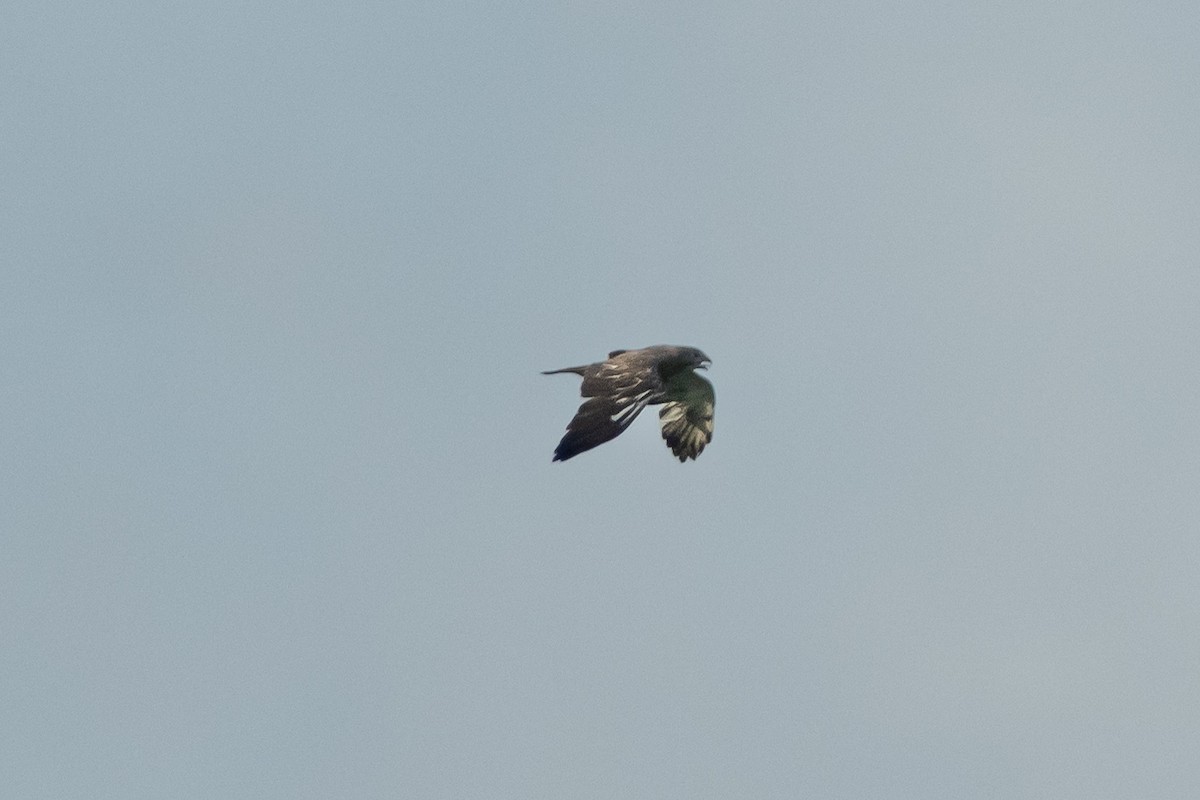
(687, 417)
(617, 391)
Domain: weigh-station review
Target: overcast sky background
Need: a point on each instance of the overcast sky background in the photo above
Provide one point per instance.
(279, 516)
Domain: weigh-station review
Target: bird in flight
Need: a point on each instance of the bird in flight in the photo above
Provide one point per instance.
(618, 388)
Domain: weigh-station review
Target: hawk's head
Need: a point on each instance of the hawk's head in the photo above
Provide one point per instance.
(697, 358)
(676, 359)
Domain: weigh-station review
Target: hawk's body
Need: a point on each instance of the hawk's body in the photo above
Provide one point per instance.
(629, 380)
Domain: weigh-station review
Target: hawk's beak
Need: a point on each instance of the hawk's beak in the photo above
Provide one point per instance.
(704, 364)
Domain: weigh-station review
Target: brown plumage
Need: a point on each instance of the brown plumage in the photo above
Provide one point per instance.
(629, 380)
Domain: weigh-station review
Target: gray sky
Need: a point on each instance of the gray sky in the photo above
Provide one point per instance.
(279, 514)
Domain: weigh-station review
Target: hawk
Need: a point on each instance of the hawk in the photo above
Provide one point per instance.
(629, 380)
